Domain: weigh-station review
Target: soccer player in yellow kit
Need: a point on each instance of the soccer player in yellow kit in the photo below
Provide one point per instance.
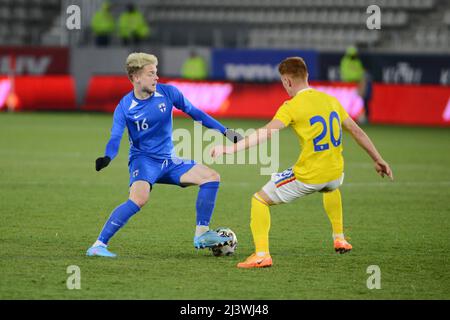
(317, 119)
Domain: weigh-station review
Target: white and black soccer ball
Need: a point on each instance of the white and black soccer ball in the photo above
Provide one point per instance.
(227, 249)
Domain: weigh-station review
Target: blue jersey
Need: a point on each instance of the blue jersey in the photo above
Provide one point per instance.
(149, 122)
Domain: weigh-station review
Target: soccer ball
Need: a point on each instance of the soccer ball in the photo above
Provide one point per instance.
(227, 249)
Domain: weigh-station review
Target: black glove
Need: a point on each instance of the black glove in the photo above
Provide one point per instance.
(233, 136)
(102, 162)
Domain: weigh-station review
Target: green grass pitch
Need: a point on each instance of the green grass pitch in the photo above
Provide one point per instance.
(53, 204)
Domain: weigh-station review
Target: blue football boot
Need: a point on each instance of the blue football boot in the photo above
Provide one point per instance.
(210, 239)
(100, 251)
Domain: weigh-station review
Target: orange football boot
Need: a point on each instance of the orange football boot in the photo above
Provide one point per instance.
(255, 261)
(342, 246)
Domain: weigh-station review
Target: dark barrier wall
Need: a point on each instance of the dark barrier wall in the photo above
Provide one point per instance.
(261, 66)
(256, 65)
(34, 60)
(393, 68)
(226, 64)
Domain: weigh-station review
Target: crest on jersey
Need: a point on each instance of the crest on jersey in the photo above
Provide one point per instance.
(162, 107)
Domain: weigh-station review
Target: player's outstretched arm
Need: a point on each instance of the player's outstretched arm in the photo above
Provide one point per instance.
(381, 166)
(180, 102)
(211, 123)
(257, 137)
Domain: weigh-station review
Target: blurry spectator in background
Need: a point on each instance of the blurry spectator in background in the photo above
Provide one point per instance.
(195, 67)
(103, 25)
(352, 70)
(133, 27)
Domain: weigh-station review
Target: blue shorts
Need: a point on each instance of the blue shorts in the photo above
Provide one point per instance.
(153, 171)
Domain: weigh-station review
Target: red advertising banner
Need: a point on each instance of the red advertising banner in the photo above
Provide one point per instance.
(104, 92)
(257, 100)
(391, 104)
(411, 104)
(34, 60)
(220, 99)
(38, 93)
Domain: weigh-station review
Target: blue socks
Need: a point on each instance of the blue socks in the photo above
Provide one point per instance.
(206, 201)
(118, 219)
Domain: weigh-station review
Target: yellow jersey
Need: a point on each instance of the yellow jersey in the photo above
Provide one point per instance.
(316, 118)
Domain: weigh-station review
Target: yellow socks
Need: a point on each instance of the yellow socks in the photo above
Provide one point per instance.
(260, 224)
(260, 219)
(333, 206)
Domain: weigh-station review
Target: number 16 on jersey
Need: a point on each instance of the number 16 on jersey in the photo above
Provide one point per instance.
(141, 125)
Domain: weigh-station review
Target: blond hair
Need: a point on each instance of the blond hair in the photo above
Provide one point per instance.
(138, 60)
(294, 67)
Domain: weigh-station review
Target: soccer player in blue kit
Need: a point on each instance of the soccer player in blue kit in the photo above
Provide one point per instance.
(146, 112)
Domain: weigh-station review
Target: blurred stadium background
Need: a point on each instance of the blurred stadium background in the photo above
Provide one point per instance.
(58, 87)
(53, 67)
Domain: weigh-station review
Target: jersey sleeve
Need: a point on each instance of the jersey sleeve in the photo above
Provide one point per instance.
(284, 115)
(119, 123)
(180, 102)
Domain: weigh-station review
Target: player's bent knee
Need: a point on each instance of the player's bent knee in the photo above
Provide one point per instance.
(140, 201)
(140, 198)
(213, 176)
(262, 197)
(139, 192)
